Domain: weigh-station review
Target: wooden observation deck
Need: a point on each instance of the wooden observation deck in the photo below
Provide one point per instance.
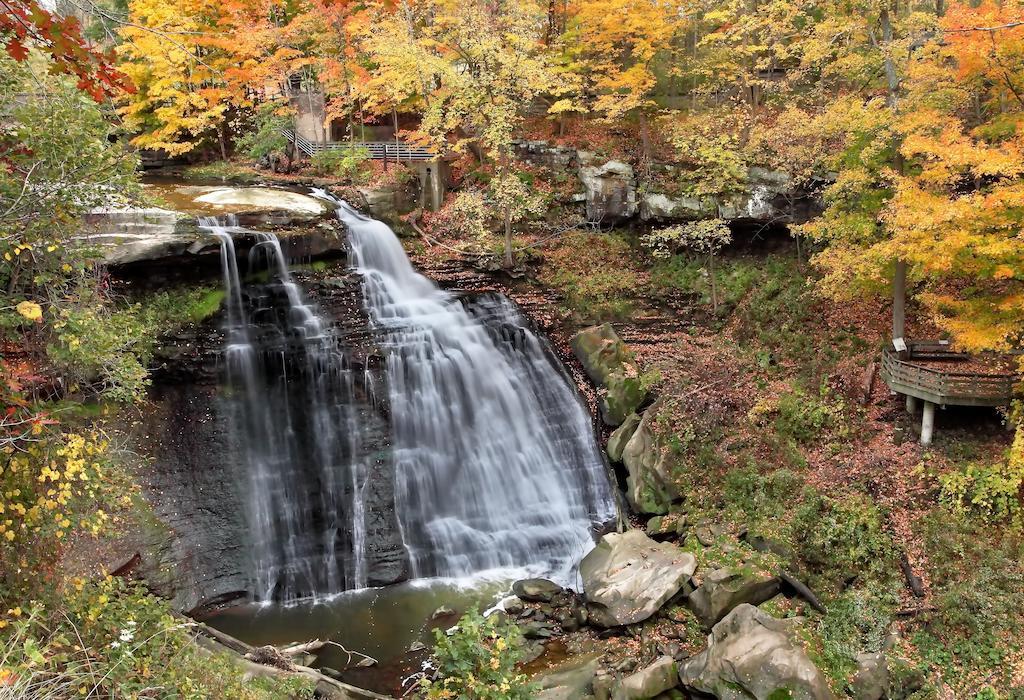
(932, 372)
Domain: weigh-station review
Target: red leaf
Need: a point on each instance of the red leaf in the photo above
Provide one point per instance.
(16, 50)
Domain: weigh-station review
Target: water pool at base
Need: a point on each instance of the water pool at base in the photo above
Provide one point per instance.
(380, 622)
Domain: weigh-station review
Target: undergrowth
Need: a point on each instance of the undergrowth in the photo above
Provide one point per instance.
(595, 274)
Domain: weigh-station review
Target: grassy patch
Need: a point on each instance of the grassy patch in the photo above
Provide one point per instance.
(734, 278)
(972, 639)
(175, 308)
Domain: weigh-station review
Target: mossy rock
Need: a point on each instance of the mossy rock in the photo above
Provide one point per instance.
(610, 363)
(650, 487)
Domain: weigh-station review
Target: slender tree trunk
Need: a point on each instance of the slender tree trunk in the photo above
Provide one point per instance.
(394, 123)
(507, 214)
(891, 79)
(508, 239)
(714, 286)
(222, 139)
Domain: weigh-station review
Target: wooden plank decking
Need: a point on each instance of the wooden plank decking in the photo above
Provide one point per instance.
(929, 371)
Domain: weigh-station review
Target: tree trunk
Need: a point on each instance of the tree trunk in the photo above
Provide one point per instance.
(714, 286)
(507, 214)
(394, 123)
(508, 239)
(222, 139)
(891, 79)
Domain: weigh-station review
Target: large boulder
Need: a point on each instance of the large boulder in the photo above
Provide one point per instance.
(659, 677)
(871, 681)
(650, 487)
(571, 680)
(536, 590)
(609, 363)
(724, 589)
(620, 437)
(628, 576)
(753, 656)
(610, 192)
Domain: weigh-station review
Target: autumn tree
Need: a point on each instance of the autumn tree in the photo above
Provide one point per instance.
(172, 57)
(620, 49)
(491, 68)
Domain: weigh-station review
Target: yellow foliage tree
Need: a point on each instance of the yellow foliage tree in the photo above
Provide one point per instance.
(171, 55)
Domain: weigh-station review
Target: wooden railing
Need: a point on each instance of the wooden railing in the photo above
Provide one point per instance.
(940, 385)
(377, 150)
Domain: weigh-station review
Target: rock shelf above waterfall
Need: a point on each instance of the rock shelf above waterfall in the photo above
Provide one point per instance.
(157, 234)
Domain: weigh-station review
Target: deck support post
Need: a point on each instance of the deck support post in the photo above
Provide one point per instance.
(911, 404)
(927, 423)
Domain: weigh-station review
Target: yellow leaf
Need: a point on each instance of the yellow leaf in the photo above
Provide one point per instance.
(30, 310)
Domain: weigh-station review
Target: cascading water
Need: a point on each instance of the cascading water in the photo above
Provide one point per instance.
(296, 422)
(496, 463)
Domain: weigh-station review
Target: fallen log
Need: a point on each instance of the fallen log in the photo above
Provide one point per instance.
(913, 580)
(800, 588)
(214, 640)
(304, 648)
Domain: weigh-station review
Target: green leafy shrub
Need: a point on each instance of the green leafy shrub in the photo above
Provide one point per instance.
(762, 500)
(109, 638)
(478, 661)
(976, 576)
(843, 538)
(267, 139)
(102, 349)
(802, 417)
(345, 163)
(857, 621)
(171, 309)
(733, 278)
(990, 490)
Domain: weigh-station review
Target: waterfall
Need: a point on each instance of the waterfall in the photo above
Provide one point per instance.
(495, 459)
(293, 416)
(484, 459)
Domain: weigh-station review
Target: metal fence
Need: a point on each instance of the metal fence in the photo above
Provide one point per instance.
(377, 150)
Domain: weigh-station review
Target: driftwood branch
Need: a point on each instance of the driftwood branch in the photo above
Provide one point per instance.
(326, 687)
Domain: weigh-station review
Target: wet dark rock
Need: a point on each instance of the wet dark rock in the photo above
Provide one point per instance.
(538, 630)
(531, 651)
(194, 551)
(514, 607)
(536, 590)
